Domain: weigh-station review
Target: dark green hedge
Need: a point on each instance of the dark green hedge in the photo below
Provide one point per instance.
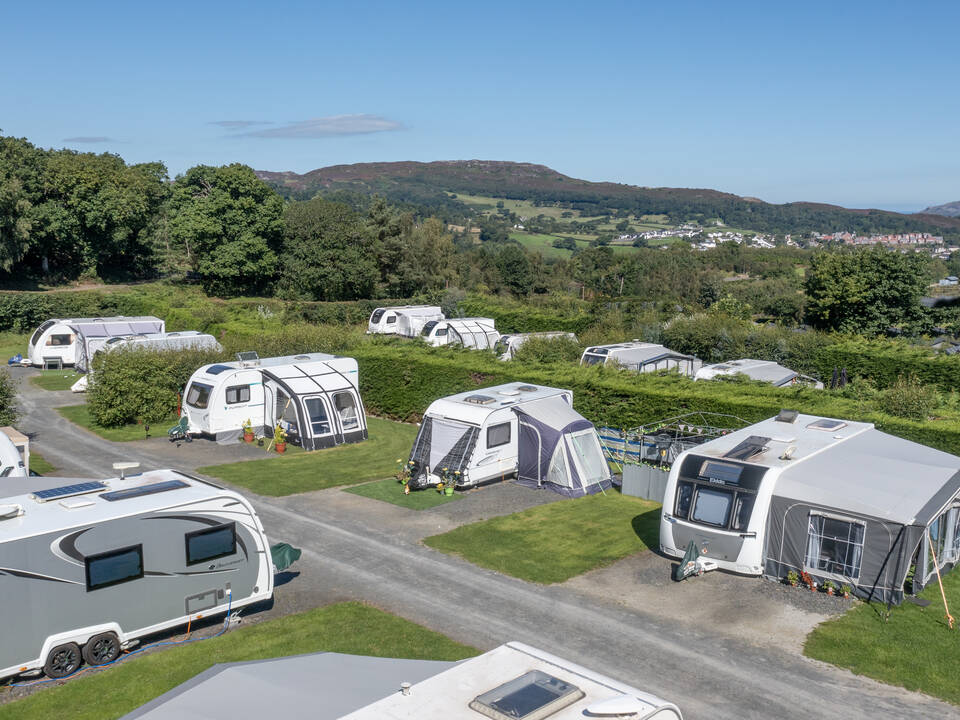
(512, 318)
(883, 361)
(401, 381)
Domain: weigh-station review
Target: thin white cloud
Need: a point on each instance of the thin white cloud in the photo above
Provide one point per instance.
(88, 139)
(239, 124)
(334, 125)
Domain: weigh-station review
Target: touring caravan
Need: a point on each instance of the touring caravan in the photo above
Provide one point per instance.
(508, 344)
(473, 333)
(641, 357)
(405, 320)
(72, 341)
(314, 397)
(88, 567)
(182, 340)
(517, 430)
(762, 370)
(14, 454)
(837, 499)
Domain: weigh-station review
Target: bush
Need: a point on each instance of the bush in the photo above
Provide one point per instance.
(908, 398)
(548, 350)
(8, 398)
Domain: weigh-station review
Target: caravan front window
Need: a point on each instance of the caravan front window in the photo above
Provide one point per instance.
(347, 410)
(64, 339)
(40, 330)
(377, 314)
(198, 395)
(834, 546)
(712, 506)
(593, 359)
(114, 567)
(317, 410)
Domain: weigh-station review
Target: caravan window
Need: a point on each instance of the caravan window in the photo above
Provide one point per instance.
(211, 543)
(40, 330)
(498, 435)
(347, 410)
(377, 314)
(238, 394)
(391, 319)
(64, 339)
(593, 359)
(317, 410)
(684, 496)
(741, 514)
(712, 506)
(114, 567)
(834, 546)
(198, 395)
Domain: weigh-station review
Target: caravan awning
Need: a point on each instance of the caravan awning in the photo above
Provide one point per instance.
(554, 412)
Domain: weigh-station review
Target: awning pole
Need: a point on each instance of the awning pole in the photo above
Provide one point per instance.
(940, 580)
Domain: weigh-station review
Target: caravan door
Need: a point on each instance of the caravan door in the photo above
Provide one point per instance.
(322, 430)
(349, 413)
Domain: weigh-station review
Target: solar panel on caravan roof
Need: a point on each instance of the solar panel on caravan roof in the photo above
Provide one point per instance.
(151, 489)
(68, 490)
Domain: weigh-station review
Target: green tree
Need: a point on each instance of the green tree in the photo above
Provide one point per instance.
(327, 253)
(20, 184)
(515, 269)
(228, 225)
(865, 291)
(8, 399)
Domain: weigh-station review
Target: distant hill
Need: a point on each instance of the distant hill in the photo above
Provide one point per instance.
(951, 209)
(426, 185)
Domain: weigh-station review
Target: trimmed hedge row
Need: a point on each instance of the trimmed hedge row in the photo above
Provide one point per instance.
(525, 318)
(400, 382)
(883, 361)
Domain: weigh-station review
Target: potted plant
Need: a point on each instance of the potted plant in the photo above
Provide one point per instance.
(793, 578)
(247, 431)
(280, 439)
(845, 591)
(829, 586)
(403, 471)
(808, 581)
(448, 481)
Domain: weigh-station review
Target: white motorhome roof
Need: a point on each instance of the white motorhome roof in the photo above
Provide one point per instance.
(109, 327)
(447, 695)
(474, 406)
(69, 510)
(414, 310)
(764, 370)
(851, 466)
(262, 363)
(636, 352)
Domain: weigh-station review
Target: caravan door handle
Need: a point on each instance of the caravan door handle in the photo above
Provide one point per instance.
(748, 535)
(669, 518)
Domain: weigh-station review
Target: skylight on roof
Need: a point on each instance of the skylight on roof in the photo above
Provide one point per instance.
(526, 388)
(826, 425)
(479, 399)
(532, 696)
(753, 445)
(217, 369)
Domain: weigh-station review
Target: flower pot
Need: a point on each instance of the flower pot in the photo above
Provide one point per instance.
(793, 584)
(281, 448)
(829, 591)
(248, 437)
(846, 596)
(448, 490)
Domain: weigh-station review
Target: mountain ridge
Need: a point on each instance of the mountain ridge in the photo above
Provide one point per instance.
(950, 209)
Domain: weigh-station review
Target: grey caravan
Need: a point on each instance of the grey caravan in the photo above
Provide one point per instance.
(641, 357)
(89, 567)
(837, 499)
(517, 430)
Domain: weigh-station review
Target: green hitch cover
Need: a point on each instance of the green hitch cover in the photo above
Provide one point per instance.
(284, 556)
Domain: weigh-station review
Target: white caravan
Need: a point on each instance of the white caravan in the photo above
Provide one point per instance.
(315, 397)
(88, 567)
(70, 341)
(181, 340)
(641, 357)
(14, 453)
(509, 343)
(473, 333)
(517, 430)
(405, 320)
(763, 370)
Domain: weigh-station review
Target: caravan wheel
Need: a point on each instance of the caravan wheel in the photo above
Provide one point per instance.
(63, 660)
(101, 649)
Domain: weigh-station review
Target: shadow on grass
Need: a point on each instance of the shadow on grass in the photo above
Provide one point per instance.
(647, 528)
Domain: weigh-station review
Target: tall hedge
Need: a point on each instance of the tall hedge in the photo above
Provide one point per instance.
(511, 317)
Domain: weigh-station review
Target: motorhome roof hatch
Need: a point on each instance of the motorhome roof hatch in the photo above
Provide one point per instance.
(753, 445)
(479, 399)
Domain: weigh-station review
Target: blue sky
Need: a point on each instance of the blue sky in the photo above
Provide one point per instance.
(850, 103)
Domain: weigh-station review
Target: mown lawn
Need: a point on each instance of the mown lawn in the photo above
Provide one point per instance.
(12, 343)
(55, 379)
(372, 459)
(345, 628)
(555, 542)
(914, 648)
(391, 491)
(40, 464)
(80, 414)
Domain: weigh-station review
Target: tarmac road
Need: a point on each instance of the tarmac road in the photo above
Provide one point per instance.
(709, 676)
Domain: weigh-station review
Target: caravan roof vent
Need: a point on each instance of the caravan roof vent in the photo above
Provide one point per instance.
(526, 388)
(532, 696)
(826, 425)
(8, 512)
(753, 445)
(217, 369)
(509, 393)
(68, 490)
(151, 489)
(479, 399)
(787, 416)
(301, 357)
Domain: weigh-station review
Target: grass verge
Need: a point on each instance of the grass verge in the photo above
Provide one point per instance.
(55, 379)
(391, 491)
(345, 628)
(555, 542)
(12, 343)
(372, 459)
(80, 415)
(914, 648)
(39, 464)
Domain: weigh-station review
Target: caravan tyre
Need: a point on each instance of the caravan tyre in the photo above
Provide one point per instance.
(63, 660)
(101, 649)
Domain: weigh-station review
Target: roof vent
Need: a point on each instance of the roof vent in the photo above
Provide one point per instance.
(826, 425)
(787, 416)
(301, 357)
(508, 393)
(752, 446)
(8, 512)
(217, 369)
(526, 388)
(623, 705)
(532, 696)
(479, 399)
